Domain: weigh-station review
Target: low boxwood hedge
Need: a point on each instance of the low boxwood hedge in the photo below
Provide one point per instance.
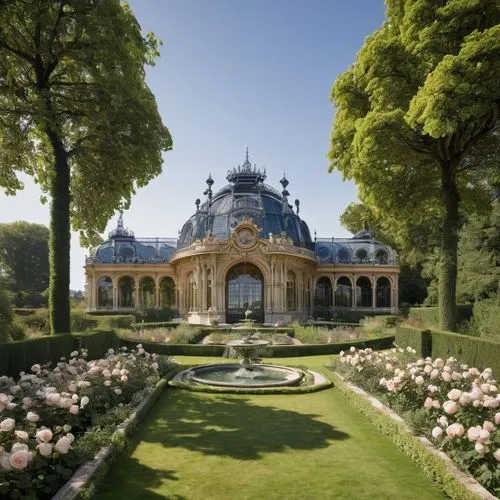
(428, 317)
(478, 352)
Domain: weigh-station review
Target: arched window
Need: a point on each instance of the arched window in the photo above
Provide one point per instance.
(126, 289)
(383, 292)
(363, 292)
(323, 294)
(382, 257)
(362, 254)
(291, 291)
(147, 294)
(343, 292)
(244, 291)
(105, 292)
(167, 292)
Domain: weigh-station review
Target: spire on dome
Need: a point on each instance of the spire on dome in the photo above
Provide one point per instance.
(246, 173)
(120, 232)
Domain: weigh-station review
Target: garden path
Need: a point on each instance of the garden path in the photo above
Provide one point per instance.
(198, 446)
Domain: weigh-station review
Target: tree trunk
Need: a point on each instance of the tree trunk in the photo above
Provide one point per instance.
(449, 246)
(60, 236)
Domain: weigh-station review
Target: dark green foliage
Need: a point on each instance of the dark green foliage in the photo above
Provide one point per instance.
(156, 315)
(486, 320)
(19, 356)
(24, 260)
(412, 286)
(38, 319)
(6, 316)
(428, 317)
(353, 316)
(474, 351)
(81, 322)
(157, 324)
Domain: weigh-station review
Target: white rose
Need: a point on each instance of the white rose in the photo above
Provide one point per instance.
(118, 391)
(44, 449)
(23, 435)
(443, 421)
(450, 407)
(84, 401)
(67, 427)
(7, 425)
(74, 409)
(436, 432)
(63, 444)
(44, 435)
(4, 461)
(32, 417)
(419, 380)
(497, 418)
(480, 448)
(454, 394)
(35, 368)
(497, 455)
(473, 433)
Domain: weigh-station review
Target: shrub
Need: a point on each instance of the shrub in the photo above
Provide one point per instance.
(38, 320)
(81, 322)
(109, 322)
(486, 318)
(428, 317)
(6, 316)
(17, 330)
(155, 315)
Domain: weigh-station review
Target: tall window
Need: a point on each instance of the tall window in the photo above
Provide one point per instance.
(209, 288)
(363, 292)
(323, 295)
(291, 291)
(343, 292)
(147, 291)
(126, 289)
(383, 292)
(105, 292)
(244, 290)
(167, 292)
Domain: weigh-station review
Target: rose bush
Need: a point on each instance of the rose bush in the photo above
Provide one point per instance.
(454, 405)
(45, 413)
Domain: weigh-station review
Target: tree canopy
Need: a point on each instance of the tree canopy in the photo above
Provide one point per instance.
(76, 115)
(417, 115)
(24, 256)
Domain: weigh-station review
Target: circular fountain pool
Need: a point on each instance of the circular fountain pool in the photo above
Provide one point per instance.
(236, 375)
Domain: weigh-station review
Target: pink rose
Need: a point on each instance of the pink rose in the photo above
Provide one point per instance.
(74, 409)
(428, 403)
(446, 376)
(488, 426)
(497, 418)
(455, 430)
(44, 435)
(497, 455)
(454, 394)
(44, 449)
(450, 407)
(19, 459)
(480, 448)
(473, 433)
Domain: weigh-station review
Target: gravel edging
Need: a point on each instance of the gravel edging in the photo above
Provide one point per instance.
(85, 475)
(466, 480)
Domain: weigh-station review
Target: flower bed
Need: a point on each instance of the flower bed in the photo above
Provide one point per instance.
(54, 419)
(455, 405)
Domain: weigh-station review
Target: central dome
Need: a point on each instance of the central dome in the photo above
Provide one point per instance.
(246, 196)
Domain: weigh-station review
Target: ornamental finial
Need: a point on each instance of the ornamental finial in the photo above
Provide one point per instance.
(120, 220)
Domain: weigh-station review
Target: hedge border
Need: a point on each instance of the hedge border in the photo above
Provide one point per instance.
(478, 352)
(434, 464)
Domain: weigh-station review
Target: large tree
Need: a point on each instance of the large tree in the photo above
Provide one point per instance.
(417, 118)
(24, 256)
(76, 115)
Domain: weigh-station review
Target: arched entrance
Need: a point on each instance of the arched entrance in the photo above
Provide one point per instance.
(244, 290)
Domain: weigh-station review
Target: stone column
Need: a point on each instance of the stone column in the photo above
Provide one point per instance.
(374, 291)
(354, 292)
(137, 304)
(157, 293)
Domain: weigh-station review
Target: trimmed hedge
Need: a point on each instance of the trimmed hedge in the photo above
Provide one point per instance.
(428, 317)
(154, 324)
(486, 320)
(481, 353)
(277, 351)
(115, 321)
(433, 466)
(21, 355)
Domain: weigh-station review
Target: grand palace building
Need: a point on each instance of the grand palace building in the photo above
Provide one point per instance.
(245, 247)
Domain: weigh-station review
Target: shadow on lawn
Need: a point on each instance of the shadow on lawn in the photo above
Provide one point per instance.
(142, 477)
(234, 427)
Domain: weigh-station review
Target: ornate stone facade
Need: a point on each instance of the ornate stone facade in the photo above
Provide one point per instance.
(224, 263)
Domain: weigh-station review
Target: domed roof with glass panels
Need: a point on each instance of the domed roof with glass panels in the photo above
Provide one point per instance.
(246, 197)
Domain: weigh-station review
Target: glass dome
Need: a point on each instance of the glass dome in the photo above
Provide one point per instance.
(246, 196)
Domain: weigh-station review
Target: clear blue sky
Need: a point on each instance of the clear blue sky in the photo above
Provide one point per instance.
(232, 74)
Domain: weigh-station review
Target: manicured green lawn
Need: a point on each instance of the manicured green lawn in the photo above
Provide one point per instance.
(308, 446)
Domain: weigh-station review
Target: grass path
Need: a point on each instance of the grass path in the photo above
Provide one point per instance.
(198, 446)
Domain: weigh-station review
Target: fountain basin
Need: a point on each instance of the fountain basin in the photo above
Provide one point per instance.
(236, 375)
